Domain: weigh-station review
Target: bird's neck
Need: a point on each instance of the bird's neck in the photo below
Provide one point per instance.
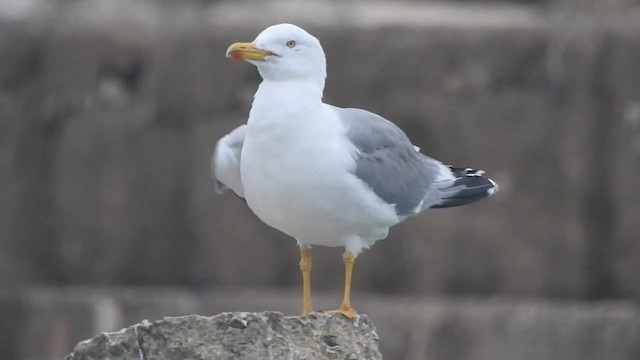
(283, 99)
(307, 88)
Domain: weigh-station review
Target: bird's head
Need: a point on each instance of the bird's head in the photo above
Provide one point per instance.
(283, 52)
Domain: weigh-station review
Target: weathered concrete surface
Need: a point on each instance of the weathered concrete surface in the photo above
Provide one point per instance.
(238, 336)
(109, 111)
(409, 328)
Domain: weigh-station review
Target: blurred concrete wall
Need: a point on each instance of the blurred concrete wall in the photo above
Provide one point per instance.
(109, 111)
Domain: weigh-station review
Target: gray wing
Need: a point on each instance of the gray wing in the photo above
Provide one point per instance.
(388, 162)
(225, 162)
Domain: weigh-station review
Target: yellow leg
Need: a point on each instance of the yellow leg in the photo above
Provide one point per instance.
(345, 308)
(305, 268)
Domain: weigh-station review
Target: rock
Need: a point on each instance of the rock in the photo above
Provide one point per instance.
(239, 335)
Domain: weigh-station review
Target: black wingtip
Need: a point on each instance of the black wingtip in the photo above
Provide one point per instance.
(470, 186)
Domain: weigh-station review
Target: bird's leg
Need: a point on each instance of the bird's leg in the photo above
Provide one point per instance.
(305, 268)
(345, 308)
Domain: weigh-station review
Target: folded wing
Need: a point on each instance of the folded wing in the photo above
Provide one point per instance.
(399, 174)
(225, 162)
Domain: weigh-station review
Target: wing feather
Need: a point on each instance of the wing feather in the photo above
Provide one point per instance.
(225, 162)
(387, 161)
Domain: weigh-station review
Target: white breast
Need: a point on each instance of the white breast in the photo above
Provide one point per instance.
(297, 174)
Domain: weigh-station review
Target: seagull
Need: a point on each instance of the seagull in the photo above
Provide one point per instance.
(325, 175)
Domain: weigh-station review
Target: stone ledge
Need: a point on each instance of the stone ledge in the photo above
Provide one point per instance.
(158, 15)
(409, 328)
(241, 335)
(154, 14)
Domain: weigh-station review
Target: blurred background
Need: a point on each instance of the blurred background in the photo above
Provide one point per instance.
(109, 111)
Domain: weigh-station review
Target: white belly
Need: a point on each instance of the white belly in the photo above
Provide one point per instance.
(298, 179)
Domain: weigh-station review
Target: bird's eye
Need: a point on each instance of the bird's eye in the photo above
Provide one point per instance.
(291, 43)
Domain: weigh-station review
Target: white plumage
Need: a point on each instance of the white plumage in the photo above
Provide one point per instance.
(225, 165)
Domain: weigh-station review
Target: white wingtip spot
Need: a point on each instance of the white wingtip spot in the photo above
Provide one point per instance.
(494, 189)
(473, 172)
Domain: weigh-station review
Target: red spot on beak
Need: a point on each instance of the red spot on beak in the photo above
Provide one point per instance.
(236, 55)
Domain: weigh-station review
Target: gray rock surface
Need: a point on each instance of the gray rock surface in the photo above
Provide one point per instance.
(240, 335)
(431, 328)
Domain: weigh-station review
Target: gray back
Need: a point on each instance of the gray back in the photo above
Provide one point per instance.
(388, 162)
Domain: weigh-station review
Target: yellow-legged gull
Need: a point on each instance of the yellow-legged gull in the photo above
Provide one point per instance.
(322, 174)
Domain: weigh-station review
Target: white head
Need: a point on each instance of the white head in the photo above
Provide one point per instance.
(283, 52)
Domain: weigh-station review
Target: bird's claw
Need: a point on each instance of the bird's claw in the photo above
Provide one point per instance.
(348, 312)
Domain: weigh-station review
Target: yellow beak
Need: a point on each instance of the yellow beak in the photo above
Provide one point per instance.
(246, 51)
